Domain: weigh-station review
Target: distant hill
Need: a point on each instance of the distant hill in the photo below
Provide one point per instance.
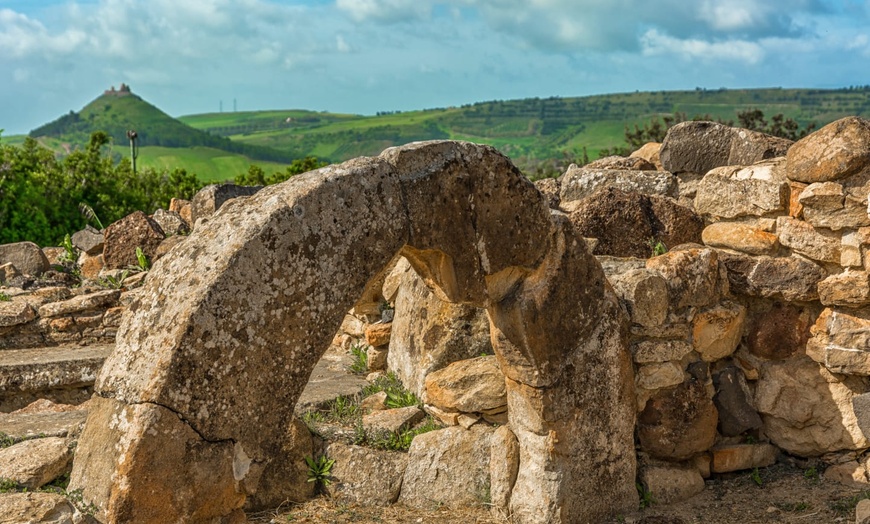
(528, 130)
(117, 111)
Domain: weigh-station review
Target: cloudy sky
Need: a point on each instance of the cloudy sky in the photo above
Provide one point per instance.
(364, 56)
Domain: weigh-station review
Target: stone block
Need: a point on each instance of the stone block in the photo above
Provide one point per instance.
(803, 238)
(716, 331)
(27, 258)
(849, 289)
(834, 152)
(738, 457)
(740, 237)
(469, 386)
(733, 400)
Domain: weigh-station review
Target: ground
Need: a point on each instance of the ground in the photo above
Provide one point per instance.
(788, 493)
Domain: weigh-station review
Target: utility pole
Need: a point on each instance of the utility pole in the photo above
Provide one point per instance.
(222, 106)
(134, 148)
(234, 105)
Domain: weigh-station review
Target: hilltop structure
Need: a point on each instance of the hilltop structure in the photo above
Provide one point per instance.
(124, 90)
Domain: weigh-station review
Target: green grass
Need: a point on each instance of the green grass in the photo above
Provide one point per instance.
(209, 164)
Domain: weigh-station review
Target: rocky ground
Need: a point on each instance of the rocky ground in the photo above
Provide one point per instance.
(787, 493)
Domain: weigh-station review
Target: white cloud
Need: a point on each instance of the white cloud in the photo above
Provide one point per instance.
(655, 43)
(341, 45)
(385, 10)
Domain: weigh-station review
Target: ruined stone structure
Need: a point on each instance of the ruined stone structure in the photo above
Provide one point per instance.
(193, 419)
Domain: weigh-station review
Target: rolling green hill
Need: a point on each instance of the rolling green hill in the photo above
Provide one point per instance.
(528, 130)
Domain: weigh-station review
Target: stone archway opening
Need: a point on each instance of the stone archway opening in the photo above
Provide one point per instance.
(194, 404)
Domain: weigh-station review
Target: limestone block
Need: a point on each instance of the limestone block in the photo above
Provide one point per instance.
(625, 223)
(834, 152)
(807, 240)
(136, 230)
(678, 422)
(806, 410)
(698, 147)
(657, 376)
(853, 243)
(89, 240)
(650, 152)
(692, 276)
(34, 463)
(470, 386)
(448, 466)
(725, 194)
(778, 330)
(581, 182)
(786, 278)
(504, 464)
(550, 188)
(81, 303)
(671, 483)
(740, 237)
(738, 457)
(392, 420)
(183, 208)
(27, 258)
(39, 508)
(658, 350)
(170, 222)
(862, 512)
(377, 358)
(378, 334)
(15, 312)
(849, 289)
(209, 199)
(734, 402)
(365, 476)
(646, 295)
(716, 331)
(631, 163)
(423, 343)
(852, 474)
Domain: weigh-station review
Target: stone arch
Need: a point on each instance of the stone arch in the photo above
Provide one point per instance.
(193, 406)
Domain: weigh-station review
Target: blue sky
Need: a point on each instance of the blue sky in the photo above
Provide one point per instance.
(364, 56)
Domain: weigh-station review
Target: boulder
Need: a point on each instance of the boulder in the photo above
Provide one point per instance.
(580, 182)
(834, 152)
(392, 420)
(81, 303)
(733, 400)
(852, 474)
(629, 224)
(738, 457)
(34, 463)
(659, 350)
(549, 187)
(27, 258)
(678, 422)
(716, 331)
(645, 295)
(124, 236)
(659, 375)
(365, 476)
(841, 341)
(806, 410)
(740, 237)
(862, 512)
(849, 289)
(448, 466)
(183, 208)
(650, 152)
(692, 276)
(778, 330)
(471, 386)
(209, 199)
(671, 483)
(785, 278)
(429, 333)
(738, 191)
(697, 147)
(171, 222)
(89, 240)
(15, 312)
(378, 334)
(803, 238)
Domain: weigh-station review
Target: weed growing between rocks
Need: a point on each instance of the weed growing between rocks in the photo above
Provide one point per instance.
(360, 364)
(319, 470)
(5, 298)
(845, 507)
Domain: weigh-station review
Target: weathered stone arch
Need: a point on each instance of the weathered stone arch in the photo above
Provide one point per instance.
(194, 405)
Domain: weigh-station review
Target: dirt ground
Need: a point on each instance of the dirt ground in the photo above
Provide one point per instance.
(786, 494)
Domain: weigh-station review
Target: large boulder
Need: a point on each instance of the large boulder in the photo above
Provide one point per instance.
(678, 422)
(474, 385)
(34, 463)
(836, 151)
(365, 476)
(738, 191)
(580, 182)
(209, 199)
(651, 153)
(791, 279)
(631, 163)
(629, 224)
(698, 147)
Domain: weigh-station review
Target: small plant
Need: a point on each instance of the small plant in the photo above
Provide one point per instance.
(657, 247)
(144, 263)
(5, 298)
(88, 212)
(9, 486)
(811, 474)
(846, 506)
(360, 364)
(756, 477)
(343, 409)
(749, 439)
(319, 470)
(112, 282)
(70, 253)
(401, 398)
(646, 497)
(793, 507)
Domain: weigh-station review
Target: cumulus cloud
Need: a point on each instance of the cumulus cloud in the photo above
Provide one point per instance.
(385, 10)
(655, 43)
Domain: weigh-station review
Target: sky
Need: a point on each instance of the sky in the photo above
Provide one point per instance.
(365, 56)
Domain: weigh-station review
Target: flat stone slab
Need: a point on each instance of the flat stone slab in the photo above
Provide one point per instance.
(41, 369)
(329, 380)
(28, 425)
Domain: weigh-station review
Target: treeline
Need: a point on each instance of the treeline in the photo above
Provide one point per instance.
(40, 196)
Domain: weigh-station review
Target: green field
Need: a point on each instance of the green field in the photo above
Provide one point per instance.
(209, 164)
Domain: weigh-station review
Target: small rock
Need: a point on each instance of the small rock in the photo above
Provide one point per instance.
(678, 422)
(650, 153)
(27, 258)
(469, 386)
(803, 238)
(669, 484)
(504, 464)
(740, 237)
(34, 463)
(365, 476)
(659, 375)
(378, 335)
(849, 289)
(717, 331)
(209, 199)
(89, 240)
(852, 474)
(170, 222)
(39, 508)
(742, 456)
(734, 402)
(657, 350)
(862, 512)
(13, 313)
(136, 230)
(377, 358)
(392, 420)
